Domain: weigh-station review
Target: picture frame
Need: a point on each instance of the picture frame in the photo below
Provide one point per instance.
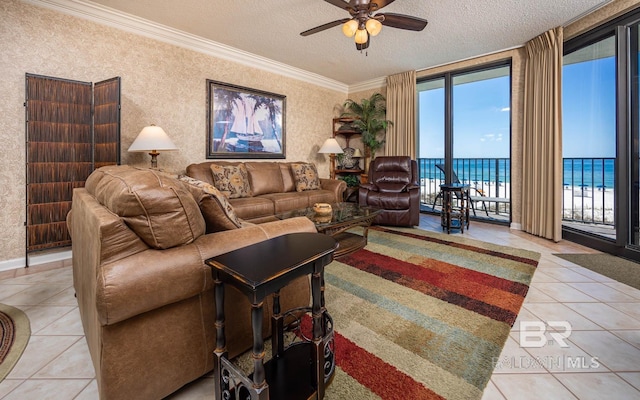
(244, 122)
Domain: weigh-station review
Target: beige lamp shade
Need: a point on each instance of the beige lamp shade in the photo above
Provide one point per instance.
(152, 139)
(350, 27)
(331, 146)
(373, 26)
(357, 154)
(361, 36)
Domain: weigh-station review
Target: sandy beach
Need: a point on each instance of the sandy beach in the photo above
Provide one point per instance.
(587, 204)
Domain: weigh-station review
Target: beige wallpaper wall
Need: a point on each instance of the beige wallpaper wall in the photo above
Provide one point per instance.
(161, 84)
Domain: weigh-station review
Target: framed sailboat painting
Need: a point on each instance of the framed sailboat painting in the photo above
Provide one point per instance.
(244, 122)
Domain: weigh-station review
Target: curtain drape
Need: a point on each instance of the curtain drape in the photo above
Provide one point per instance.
(401, 110)
(542, 136)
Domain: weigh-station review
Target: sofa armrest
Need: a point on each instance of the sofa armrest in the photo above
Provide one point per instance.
(337, 186)
(223, 242)
(153, 278)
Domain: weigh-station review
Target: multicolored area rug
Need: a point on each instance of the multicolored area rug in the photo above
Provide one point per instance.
(421, 315)
(15, 331)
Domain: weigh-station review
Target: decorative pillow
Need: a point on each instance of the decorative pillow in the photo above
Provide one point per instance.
(306, 176)
(217, 212)
(231, 180)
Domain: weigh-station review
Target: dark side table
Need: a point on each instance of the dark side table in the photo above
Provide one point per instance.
(455, 212)
(302, 369)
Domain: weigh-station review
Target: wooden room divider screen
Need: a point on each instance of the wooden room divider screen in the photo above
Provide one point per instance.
(72, 128)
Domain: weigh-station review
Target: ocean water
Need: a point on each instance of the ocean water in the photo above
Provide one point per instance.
(469, 170)
(591, 172)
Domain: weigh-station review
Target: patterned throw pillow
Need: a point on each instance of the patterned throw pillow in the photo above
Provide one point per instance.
(306, 176)
(231, 180)
(216, 210)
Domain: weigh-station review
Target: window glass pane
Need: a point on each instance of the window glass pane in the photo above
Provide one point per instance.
(481, 129)
(431, 118)
(431, 134)
(589, 136)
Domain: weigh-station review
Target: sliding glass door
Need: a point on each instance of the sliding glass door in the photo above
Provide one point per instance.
(601, 104)
(589, 138)
(634, 153)
(464, 133)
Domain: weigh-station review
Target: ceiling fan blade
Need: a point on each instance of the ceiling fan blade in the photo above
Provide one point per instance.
(323, 27)
(381, 3)
(339, 3)
(403, 21)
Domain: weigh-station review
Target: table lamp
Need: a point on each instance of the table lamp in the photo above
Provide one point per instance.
(331, 147)
(357, 154)
(152, 139)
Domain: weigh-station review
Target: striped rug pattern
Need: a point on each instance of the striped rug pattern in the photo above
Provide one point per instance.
(421, 315)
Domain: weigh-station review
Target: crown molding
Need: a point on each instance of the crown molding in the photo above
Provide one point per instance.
(127, 22)
(375, 83)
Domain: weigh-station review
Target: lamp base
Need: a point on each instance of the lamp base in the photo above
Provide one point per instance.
(154, 159)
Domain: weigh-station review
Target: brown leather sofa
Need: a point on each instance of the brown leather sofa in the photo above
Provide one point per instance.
(144, 293)
(392, 185)
(273, 189)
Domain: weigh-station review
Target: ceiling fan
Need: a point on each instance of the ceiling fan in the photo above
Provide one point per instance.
(363, 23)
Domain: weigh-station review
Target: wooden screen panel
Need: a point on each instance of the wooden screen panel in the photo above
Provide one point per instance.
(106, 122)
(59, 155)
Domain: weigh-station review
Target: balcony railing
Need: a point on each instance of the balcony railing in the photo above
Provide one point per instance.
(589, 195)
(488, 177)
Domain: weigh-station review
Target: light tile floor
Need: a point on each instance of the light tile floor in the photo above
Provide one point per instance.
(599, 358)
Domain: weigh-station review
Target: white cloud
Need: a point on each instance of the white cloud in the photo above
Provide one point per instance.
(504, 109)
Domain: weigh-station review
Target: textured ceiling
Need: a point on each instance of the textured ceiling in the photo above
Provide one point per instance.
(457, 29)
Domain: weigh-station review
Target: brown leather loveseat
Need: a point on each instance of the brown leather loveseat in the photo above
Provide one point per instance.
(144, 292)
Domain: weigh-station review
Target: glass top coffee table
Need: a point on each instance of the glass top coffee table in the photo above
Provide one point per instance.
(343, 217)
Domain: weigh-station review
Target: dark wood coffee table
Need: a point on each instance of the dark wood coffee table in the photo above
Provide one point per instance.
(344, 217)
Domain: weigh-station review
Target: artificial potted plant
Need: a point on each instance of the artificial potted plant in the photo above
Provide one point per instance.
(370, 118)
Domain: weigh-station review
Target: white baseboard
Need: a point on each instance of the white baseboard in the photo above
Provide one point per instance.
(35, 260)
(515, 226)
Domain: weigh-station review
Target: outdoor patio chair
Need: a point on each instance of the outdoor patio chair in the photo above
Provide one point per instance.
(455, 179)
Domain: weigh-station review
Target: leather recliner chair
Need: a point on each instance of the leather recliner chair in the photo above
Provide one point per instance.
(393, 187)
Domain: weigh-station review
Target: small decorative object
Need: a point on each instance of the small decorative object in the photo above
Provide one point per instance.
(322, 219)
(322, 208)
(348, 159)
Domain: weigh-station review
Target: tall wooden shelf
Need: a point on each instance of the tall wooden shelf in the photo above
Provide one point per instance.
(347, 134)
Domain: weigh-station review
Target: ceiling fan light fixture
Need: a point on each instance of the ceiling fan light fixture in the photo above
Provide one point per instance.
(361, 36)
(373, 26)
(350, 27)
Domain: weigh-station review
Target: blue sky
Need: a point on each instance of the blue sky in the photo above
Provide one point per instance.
(588, 109)
(480, 121)
(482, 117)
